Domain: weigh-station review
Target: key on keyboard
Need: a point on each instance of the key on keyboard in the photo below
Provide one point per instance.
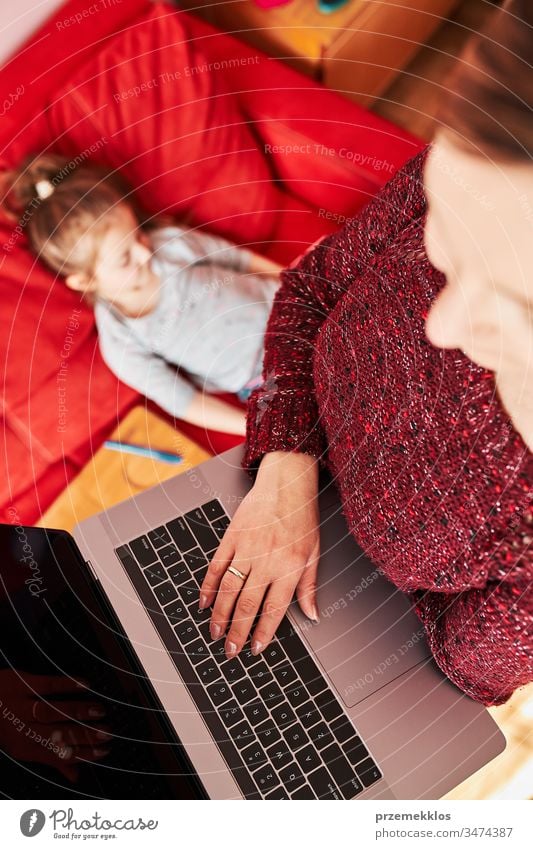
(277, 722)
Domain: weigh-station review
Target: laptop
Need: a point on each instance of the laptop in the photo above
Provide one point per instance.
(351, 707)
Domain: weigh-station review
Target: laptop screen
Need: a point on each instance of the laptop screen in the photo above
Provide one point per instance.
(108, 738)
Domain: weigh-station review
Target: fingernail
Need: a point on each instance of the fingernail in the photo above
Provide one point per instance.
(257, 647)
(231, 648)
(315, 615)
(100, 753)
(96, 713)
(215, 631)
(203, 601)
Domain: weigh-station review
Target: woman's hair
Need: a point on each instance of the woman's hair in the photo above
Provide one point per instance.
(63, 209)
(489, 103)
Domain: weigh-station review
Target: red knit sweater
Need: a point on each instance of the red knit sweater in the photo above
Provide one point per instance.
(435, 482)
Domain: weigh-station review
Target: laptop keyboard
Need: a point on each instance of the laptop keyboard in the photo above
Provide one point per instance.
(274, 717)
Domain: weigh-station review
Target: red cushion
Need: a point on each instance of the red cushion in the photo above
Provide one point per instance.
(34, 320)
(164, 117)
(32, 76)
(184, 145)
(55, 386)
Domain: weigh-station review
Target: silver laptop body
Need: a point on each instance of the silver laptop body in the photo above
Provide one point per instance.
(425, 735)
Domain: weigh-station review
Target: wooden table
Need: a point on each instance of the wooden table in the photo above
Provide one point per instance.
(111, 477)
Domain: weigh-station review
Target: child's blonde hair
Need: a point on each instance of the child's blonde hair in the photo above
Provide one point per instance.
(63, 209)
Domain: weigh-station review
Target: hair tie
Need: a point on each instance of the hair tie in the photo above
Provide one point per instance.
(44, 189)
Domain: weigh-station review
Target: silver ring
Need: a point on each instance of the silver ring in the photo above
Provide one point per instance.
(235, 571)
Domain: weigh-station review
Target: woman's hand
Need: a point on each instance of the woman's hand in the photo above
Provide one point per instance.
(49, 719)
(273, 539)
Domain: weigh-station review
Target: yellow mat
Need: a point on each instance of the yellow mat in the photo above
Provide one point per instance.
(113, 476)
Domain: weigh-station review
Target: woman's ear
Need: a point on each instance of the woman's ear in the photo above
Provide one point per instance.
(78, 281)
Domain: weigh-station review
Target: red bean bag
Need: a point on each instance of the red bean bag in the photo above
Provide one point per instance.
(200, 124)
(149, 104)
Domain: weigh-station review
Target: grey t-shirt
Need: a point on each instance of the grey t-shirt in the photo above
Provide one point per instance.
(210, 320)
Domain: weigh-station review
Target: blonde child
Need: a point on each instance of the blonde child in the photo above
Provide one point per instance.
(165, 298)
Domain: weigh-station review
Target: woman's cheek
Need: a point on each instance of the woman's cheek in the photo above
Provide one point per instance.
(518, 337)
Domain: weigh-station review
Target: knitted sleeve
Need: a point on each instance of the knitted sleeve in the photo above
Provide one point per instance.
(282, 413)
(482, 639)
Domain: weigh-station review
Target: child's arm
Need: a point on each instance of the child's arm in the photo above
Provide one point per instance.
(215, 414)
(260, 264)
(221, 252)
(159, 381)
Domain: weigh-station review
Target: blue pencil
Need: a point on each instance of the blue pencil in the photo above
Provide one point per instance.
(143, 451)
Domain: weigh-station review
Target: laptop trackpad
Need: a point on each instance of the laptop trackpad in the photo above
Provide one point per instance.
(368, 634)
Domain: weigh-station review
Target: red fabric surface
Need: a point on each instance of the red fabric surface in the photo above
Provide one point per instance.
(194, 146)
(172, 129)
(435, 482)
(31, 76)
